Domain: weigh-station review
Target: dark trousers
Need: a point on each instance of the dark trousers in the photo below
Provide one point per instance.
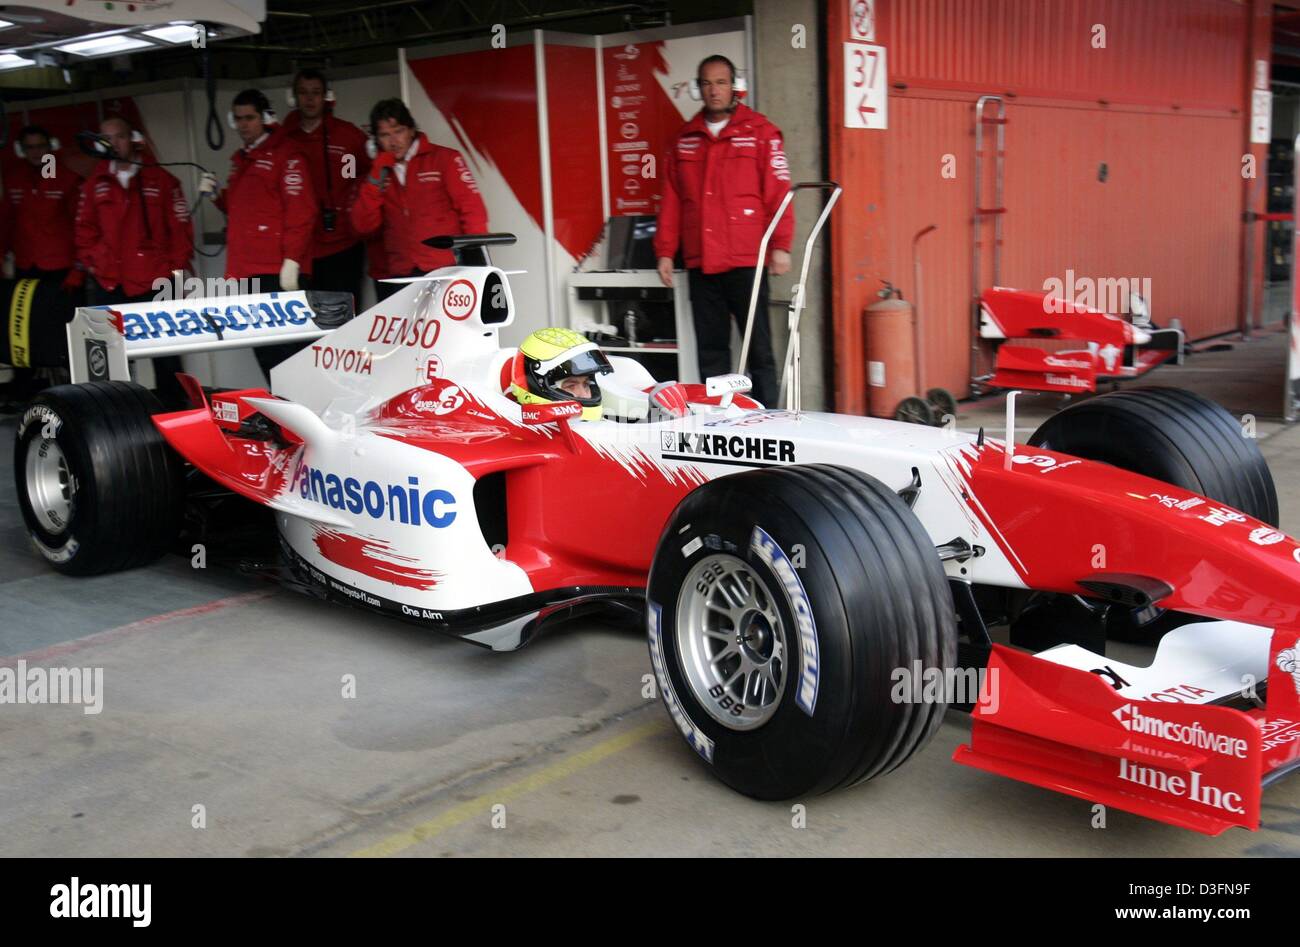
(35, 272)
(384, 290)
(168, 389)
(340, 272)
(717, 298)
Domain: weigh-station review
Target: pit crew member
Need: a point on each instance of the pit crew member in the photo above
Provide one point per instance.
(415, 190)
(270, 208)
(133, 228)
(725, 174)
(335, 151)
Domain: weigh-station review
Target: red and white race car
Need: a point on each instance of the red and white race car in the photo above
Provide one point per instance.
(814, 585)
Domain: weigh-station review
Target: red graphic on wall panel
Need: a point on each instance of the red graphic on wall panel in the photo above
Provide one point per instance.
(574, 121)
(498, 117)
(641, 119)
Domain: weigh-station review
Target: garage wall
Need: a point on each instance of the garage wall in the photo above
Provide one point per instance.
(1160, 105)
(1169, 211)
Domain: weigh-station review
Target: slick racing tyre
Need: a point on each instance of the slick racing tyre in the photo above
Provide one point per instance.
(1167, 434)
(781, 603)
(1171, 435)
(98, 487)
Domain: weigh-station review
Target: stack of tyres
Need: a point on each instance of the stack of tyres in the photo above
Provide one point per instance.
(33, 319)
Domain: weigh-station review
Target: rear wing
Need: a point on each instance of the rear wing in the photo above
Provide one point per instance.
(102, 340)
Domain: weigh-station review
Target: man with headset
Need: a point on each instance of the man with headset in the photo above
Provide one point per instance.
(39, 220)
(270, 208)
(133, 228)
(335, 151)
(725, 174)
(415, 190)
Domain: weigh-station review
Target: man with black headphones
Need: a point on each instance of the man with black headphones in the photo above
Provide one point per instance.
(133, 228)
(724, 176)
(336, 154)
(415, 190)
(269, 205)
(39, 220)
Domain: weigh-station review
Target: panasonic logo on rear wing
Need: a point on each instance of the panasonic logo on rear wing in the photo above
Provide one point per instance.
(102, 339)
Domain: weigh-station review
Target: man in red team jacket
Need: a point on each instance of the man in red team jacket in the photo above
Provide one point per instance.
(133, 228)
(270, 209)
(724, 176)
(336, 154)
(39, 217)
(415, 190)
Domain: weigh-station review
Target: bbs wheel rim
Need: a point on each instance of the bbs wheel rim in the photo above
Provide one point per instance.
(51, 487)
(731, 642)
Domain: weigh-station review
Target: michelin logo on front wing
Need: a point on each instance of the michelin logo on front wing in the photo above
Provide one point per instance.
(407, 503)
(767, 550)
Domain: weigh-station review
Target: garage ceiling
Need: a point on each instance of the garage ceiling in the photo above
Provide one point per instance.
(336, 34)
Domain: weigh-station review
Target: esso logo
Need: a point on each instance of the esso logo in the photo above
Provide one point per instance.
(98, 362)
(460, 299)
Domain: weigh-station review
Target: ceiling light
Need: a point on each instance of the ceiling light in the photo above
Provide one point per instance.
(174, 33)
(14, 61)
(104, 46)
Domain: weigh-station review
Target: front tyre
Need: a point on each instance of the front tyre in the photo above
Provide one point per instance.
(783, 605)
(98, 487)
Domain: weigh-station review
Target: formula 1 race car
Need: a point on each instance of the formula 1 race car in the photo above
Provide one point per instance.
(794, 569)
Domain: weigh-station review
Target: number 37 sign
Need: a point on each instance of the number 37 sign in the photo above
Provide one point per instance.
(866, 104)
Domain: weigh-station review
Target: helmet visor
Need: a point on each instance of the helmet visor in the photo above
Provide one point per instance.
(591, 362)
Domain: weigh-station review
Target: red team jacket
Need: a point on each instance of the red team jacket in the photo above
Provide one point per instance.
(440, 197)
(344, 139)
(721, 193)
(270, 208)
(39, 218)
(131, 236)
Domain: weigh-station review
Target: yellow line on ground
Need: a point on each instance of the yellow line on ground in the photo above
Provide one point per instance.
(479, 806)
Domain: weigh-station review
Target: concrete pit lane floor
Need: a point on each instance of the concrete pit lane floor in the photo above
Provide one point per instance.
(226, 693)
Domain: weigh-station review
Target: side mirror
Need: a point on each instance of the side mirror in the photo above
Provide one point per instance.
(549, 413)
(728, 386)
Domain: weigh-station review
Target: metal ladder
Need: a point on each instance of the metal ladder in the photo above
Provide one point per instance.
(996, 211)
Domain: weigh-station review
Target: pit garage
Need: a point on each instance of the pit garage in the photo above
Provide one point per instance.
(1018, 217)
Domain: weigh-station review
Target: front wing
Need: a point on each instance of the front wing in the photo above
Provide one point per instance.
(1168, 753)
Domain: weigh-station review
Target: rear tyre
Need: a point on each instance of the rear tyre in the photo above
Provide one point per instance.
(783, 604)
(943, 402)
(98, 487)
(914, 411)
